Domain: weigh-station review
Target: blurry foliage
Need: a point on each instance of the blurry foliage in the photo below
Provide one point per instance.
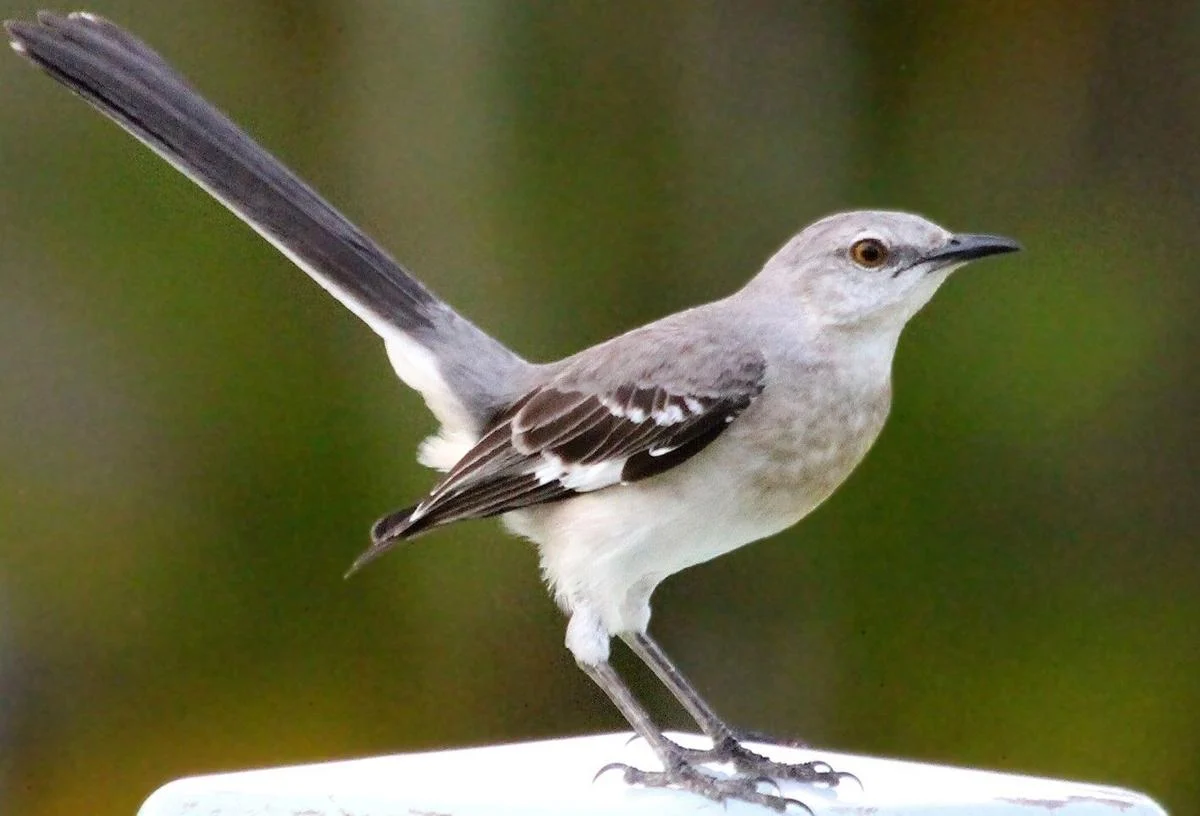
(195, 438)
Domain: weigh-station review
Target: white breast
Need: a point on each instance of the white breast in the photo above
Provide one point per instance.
(606, 552)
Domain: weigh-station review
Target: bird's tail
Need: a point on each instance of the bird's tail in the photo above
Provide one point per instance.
(463, 373)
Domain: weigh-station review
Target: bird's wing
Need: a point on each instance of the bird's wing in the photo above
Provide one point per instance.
(587, 429)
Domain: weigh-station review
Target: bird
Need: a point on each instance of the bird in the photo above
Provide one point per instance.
(659, 449)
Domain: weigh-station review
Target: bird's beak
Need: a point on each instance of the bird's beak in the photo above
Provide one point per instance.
(968, 246)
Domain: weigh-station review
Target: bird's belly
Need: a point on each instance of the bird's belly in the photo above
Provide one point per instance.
(609, 549)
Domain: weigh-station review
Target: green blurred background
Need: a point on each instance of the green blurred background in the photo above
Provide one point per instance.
(194, 438)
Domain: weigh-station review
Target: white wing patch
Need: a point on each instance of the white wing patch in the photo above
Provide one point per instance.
(657, 406)
(674, 411)
(580, 478)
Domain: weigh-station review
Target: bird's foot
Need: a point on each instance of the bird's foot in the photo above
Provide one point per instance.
(685, 776)
(770, 739)
(731, 750)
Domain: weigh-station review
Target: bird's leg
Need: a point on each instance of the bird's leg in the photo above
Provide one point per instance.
(726, 741)
(653, 656)
(679, 770)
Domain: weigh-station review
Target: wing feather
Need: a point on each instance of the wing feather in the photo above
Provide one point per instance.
(565, 438)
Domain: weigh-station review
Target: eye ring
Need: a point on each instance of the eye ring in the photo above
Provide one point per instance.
(869, 253)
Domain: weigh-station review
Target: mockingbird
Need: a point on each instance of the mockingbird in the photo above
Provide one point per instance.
(625, 463)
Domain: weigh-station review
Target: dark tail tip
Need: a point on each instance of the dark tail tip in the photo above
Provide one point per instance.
(392, 526)
(392, 529)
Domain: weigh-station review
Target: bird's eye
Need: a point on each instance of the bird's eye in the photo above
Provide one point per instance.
(869, 252)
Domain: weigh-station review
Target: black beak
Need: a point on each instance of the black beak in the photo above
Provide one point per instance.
(968, 246)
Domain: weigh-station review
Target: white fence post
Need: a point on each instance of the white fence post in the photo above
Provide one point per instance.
(555, 778)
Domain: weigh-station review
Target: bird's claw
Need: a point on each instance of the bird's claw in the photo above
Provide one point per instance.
(745, 761)
(685, 776)
(612, 766)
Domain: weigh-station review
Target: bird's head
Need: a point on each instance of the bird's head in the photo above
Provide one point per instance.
(870, 268)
